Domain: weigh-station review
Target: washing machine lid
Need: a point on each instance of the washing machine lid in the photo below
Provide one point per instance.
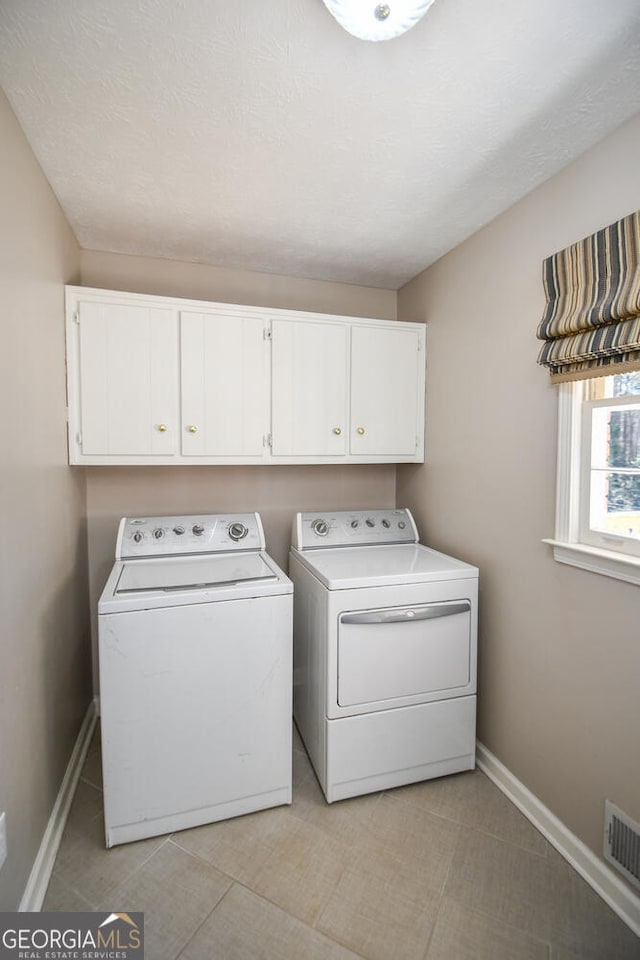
(346, 568)
(143, 584)
(193, 572)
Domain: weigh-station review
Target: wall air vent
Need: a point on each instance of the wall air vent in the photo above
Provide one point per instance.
(622, 842)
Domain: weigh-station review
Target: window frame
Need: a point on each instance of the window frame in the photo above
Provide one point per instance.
(568, 543)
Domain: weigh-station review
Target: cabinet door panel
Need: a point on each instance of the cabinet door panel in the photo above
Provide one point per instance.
(128, 380)
(385, 388)
(225, 386)
(309, 388)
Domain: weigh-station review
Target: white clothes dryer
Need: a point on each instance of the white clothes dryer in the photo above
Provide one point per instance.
(385, 640)
(195, 655)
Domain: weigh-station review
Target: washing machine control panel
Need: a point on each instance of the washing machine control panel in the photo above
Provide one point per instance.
(348, 528)
(183, 535)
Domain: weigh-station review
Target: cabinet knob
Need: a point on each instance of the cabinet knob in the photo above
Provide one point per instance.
(360, 430)
(162, 427)
(192, 428)
(337, 431)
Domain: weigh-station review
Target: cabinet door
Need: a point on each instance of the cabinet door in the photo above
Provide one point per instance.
(225, 386)
(309, 388)
(386, 390)
(128, 362)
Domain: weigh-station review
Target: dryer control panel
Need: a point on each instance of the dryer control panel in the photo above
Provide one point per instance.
(187, 535)
(350, 528)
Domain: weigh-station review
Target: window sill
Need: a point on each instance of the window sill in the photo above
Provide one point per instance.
(621, 566)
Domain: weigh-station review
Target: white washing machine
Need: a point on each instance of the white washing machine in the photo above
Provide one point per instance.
(195, 653)
(385, 640)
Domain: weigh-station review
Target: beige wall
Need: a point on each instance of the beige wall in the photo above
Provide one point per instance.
(559, 656)
(275, 492)
(44, 648)
(171, 278)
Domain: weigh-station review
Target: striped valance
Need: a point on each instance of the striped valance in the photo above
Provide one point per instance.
(591, 323)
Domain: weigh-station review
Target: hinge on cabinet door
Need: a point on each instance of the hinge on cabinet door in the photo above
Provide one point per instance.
(267, 440)
(79, 439)
(266, 333)
(76, 316)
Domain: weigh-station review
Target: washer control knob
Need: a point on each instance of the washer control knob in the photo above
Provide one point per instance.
(369, 522)
(178, 530)
(158, 533)
(138, 537)
(355, 524)
(402, 524)
(237, 531)
(385, 523)
(320, 527)
(197, 529)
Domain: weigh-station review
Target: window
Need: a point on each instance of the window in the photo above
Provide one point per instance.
(598, 506)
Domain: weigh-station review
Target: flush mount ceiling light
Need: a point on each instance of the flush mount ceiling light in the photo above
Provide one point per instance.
(369, 20)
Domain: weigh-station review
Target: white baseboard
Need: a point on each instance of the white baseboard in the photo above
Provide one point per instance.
(35, 891)
(597, 874)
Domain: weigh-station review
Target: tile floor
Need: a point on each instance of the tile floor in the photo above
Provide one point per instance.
(443, 870)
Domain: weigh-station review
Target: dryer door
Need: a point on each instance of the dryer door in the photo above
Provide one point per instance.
(404, 652)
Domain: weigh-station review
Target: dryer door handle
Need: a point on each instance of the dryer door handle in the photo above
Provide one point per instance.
(393, 615)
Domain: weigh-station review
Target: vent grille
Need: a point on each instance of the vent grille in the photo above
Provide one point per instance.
(622, 842)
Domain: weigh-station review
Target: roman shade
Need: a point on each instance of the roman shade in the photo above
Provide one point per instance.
(591, 323)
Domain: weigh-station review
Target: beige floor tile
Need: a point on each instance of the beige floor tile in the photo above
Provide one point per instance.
(423, 842)
(238, 847)
(560, 953)
(87, 806)
(61, 898)
(387, 900)
(85, 864)
(176, 892)
(473, 800)
(344, 821)
(463, 934)
(541, 896)
(302, 871)
(92, 769)
(379, 911)
(245, 927)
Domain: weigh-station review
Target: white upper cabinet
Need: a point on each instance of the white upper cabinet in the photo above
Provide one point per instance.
(310, 411)
(386, 394)
(225, 386)
(162, 380)
(126, 381)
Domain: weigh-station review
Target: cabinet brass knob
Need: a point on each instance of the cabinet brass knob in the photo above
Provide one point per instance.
(360, 430)
(162, 427)
(192, 428)
(337, 431)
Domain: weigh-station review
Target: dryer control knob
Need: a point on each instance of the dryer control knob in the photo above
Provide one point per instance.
(158, 533)
(237, 531)
(320, 527)
(197, 529)
(138, 537)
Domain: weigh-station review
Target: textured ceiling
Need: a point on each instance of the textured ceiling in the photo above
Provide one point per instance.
(260, 135)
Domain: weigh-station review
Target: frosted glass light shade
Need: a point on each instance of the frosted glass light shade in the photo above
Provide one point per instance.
(371, 20)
